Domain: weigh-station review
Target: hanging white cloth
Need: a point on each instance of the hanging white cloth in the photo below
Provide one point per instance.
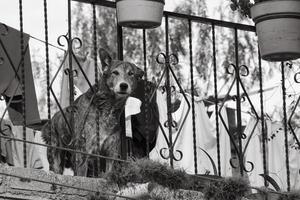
(225, 148)
(132, 107)
(253, 152)
(275, 155)
(295, 161)
(205, 136)
(32, 151)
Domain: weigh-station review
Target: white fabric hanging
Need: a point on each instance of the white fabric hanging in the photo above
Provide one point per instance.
(295, 162)
(253, 152)
(205, 136)
(275, 155)
(225, 148)
(32, 151)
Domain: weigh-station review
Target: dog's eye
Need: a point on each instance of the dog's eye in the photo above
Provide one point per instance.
(130, 73)
(115, 73)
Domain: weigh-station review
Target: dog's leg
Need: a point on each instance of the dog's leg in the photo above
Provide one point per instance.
(112, 149)
(81, 165)
(53, 155)
(54, 158)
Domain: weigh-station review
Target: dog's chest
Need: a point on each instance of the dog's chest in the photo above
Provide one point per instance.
(98, 126)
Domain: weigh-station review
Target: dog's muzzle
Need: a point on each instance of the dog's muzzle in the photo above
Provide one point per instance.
(123, 86)
(123, 90)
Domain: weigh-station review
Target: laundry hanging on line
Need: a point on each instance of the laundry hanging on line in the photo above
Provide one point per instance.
(205, 138)
(275, 154)
(11, 82)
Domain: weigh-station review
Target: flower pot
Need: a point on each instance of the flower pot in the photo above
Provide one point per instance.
(140, 13)
(278, 29)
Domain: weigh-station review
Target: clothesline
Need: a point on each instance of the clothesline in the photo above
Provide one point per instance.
(52, 45)
(211, 99)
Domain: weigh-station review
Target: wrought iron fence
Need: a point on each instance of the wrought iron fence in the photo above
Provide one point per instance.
(235, 69)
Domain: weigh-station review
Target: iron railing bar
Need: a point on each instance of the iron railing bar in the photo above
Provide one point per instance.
(264, 133)
(146, 92)
(193, 96)
(238, 101)
(96, 79)
(167, 85)
(47, 73)
(211, 21)
(105, 3)
(70, 66)
(23, 79)
(285, 128)
(120, 53)
(216, 98)
(216, 22)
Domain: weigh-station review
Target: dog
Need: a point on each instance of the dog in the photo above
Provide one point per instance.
(107, 101)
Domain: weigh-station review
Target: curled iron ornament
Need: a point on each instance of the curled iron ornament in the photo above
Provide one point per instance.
(6, 30)
(232, 69)
(235, 97)
(296, 77)
(244, 70)
(76, 43)
(168, 156)
(60, 41)
(243, 165)
(174, 124)
(251, 167)
(228, 69)
(162, 58)
(163, 89)
(67, 72)
(244, 136)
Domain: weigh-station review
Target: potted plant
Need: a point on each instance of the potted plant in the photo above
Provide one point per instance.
(277, 26)
(140, 13)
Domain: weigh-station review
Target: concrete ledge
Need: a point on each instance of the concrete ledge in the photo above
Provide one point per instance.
(12, 187)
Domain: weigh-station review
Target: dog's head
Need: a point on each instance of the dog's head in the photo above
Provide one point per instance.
(120, 77)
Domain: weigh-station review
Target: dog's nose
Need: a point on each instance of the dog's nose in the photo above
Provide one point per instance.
(123, 86)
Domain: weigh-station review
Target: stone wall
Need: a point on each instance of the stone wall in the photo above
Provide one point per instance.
(16, 188)
(13, 187)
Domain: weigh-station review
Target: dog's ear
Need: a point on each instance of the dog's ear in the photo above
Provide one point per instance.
(105, 59)
(139, 73)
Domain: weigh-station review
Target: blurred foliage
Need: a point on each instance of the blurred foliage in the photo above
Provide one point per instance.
(202, 47)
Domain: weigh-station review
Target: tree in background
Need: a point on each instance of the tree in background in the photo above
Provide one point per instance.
(179, 44)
